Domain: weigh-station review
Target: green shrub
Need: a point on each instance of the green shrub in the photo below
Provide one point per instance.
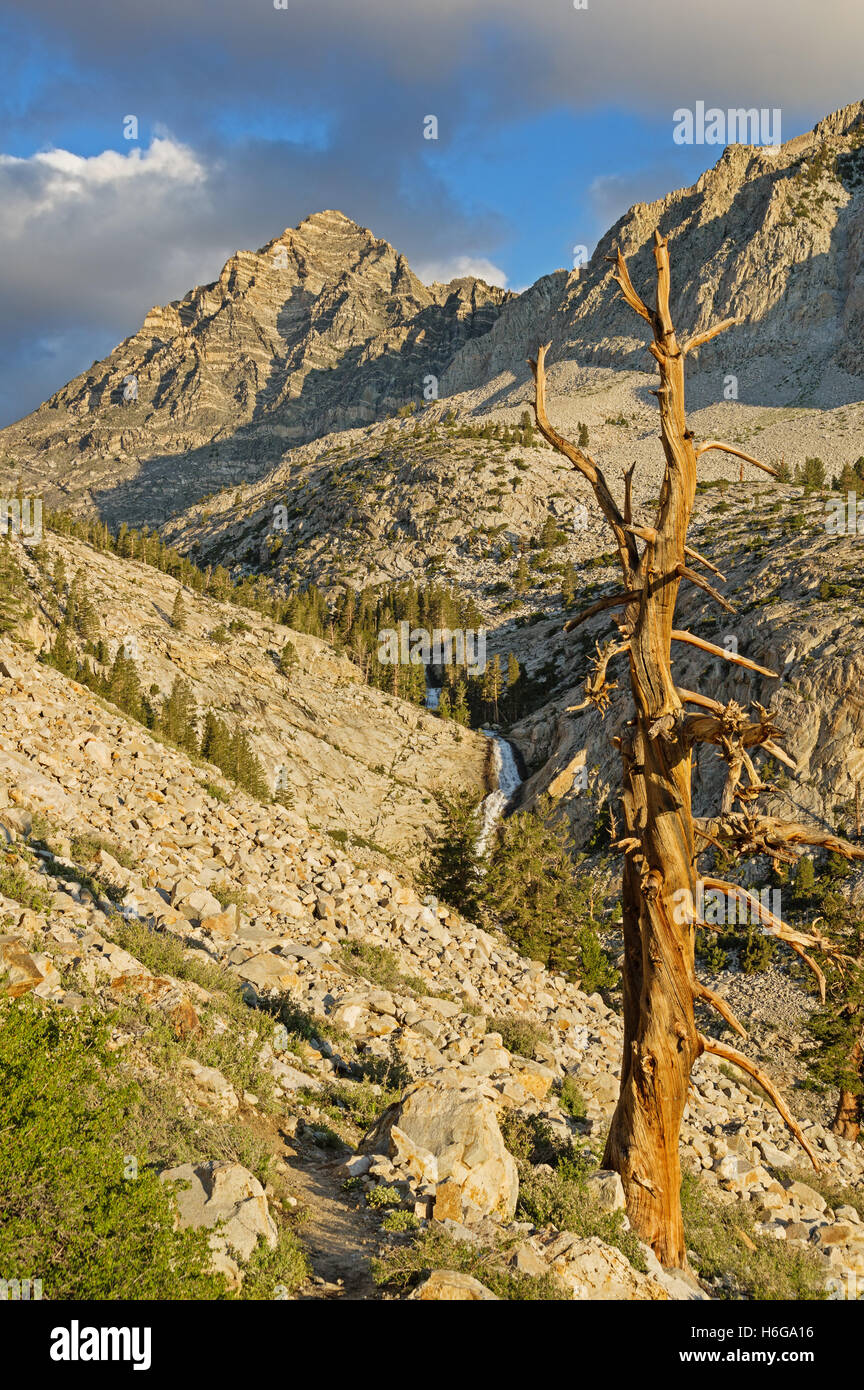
(384, 1195)
(564, 1200)
(518, 1033)
(380, 967)
(68, 1214)
(402, 1267)
(720, 1237)
(399, 1221)
(571, 1099)
(15, 884)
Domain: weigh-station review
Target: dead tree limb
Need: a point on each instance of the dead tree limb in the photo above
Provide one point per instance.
(739, 454)
(610, 601)
(730, 1054)
(679, 635)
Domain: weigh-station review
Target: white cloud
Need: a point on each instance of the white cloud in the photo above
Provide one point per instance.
(455, 267)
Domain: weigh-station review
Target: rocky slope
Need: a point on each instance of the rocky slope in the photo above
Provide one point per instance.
(357, 762)
(395, 988)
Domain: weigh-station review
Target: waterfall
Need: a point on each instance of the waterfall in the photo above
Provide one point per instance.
(508, 781)
(433, 696)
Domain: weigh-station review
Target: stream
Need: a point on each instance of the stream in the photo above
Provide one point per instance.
(507, 777)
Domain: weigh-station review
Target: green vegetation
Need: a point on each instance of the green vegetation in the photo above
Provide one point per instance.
(69, 1212)
(529, 886)
(380, 967)
(404, 1266)
(519, 1034)
(735, 1259)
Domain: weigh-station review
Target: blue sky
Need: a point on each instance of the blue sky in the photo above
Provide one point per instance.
(551, 122)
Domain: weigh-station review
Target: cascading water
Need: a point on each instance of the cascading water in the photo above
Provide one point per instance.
(508, 781)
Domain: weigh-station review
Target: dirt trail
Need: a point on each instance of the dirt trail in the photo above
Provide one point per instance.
(338, 1232)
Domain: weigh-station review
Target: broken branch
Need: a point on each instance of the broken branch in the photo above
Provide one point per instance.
(679, 635)
(739, 454)
(730, 1054)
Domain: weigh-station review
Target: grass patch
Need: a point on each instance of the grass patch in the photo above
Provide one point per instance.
(17, 885)
(518, 1033)
(402, 1267)
(571, 1099)
(380, 967)
(715, 1234)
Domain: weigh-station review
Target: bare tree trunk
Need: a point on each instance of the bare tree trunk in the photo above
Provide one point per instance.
(847, 1119)
(659, 891)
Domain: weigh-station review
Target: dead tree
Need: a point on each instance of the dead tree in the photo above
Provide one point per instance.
(660, 841)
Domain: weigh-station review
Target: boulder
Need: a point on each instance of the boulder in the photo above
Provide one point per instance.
(459, 1128)
(449, 1286)
(213, 1091)
(219, 1193)
(599, 1272)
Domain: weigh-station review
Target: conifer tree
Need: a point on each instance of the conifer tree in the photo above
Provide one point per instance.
(520, 583)
(568, 585)
(178, 717)
(63, 655)
(452, 865)
(461, 712)
(288, 660)
(178, 612)
(531, 891)
(492, 685)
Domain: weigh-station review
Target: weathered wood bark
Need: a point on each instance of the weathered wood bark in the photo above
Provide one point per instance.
(847, 1120)
(660, 876)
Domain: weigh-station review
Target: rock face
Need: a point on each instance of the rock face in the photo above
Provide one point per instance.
(324, 327)
(771, 236)
(449, 1286)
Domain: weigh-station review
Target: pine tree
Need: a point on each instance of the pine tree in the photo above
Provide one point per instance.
(530, 890)
(813, 476)
(288, 660)
(520, 584)
(178, 612)
(63, 656)
(178, 717)
(84, 614)
(549, 533)
(215, 741)
(514, 675)
(461, 712)
(122, 686)
(582, 440)
(568, 585)
(451, 868)
(59, 576)
(444, 709)
(492, 685)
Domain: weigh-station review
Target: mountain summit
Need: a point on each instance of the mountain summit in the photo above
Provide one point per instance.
(325, 327)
